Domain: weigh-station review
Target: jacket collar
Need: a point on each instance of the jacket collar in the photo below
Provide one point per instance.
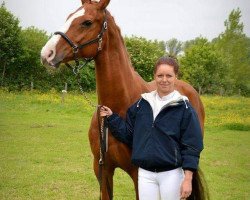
(174, 98)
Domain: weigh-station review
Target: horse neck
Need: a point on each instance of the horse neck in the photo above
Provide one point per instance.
(118, 85)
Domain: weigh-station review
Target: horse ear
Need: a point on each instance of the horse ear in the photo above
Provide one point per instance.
(86, 1)
(102, 4)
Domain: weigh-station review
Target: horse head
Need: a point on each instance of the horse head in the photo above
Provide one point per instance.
(80, 37)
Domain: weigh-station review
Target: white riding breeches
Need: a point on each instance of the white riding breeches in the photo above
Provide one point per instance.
(160, 185)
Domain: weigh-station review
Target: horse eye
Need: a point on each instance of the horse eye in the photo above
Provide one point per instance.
(86, 24)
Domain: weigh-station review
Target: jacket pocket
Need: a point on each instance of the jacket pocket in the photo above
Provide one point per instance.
(177, 155)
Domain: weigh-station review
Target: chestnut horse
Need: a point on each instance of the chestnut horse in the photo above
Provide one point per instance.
(92, 33)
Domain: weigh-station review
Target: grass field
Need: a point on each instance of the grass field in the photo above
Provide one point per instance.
(45, 153)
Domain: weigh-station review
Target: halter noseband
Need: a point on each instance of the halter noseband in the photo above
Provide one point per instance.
(76, 47)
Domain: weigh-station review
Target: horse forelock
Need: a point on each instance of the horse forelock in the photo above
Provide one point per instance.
(78, 13)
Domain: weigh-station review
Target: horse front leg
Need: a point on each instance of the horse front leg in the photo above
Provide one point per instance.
(133, 173)
(104, 175)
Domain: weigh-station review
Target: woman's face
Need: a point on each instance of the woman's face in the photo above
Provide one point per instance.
(165, 78)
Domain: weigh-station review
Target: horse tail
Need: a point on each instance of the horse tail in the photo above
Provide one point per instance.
(200, 188)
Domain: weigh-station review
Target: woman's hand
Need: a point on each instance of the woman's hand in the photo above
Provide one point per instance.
(186, 186)
(105, 111)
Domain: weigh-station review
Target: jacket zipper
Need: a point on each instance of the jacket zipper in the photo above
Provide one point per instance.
(174, 146)
(176, 159)
(153, 124)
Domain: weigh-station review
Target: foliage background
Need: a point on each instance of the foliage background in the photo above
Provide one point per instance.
(220, 66)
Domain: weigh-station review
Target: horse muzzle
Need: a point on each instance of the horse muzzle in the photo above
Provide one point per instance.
(49, 57)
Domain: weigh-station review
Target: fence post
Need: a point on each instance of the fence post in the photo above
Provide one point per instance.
(66, 87)
(31, 86)
(64, 92)
(221, 91)
(199, 90)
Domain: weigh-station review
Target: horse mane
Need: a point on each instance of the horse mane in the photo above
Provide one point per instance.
(116, 31)
(114, 28)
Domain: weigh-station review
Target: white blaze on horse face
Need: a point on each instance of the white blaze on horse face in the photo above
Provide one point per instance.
(49, 50)
(77, 14)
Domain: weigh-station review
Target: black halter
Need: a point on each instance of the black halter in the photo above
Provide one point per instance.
(76, 47)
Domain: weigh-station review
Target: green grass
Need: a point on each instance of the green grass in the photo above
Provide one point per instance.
(45, 152)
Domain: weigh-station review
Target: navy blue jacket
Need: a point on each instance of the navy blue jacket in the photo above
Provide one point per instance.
(173, 139)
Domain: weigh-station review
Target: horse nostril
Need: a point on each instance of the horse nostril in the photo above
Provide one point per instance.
(50, 53)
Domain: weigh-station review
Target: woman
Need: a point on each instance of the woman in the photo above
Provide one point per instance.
(164, 133)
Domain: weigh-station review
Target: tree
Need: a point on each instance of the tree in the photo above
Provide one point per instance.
(144, 53)
(202, 66)
(30, 67)
(234, 46)
(174, 47)
(10, 41)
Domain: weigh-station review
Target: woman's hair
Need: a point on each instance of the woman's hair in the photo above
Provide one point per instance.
(167, 61)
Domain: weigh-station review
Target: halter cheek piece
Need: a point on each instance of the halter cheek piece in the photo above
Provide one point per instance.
(76, 47)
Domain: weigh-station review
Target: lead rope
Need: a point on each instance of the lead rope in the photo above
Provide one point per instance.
(103, 133)
(76, 71)
(101, 159)
(103, 129)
